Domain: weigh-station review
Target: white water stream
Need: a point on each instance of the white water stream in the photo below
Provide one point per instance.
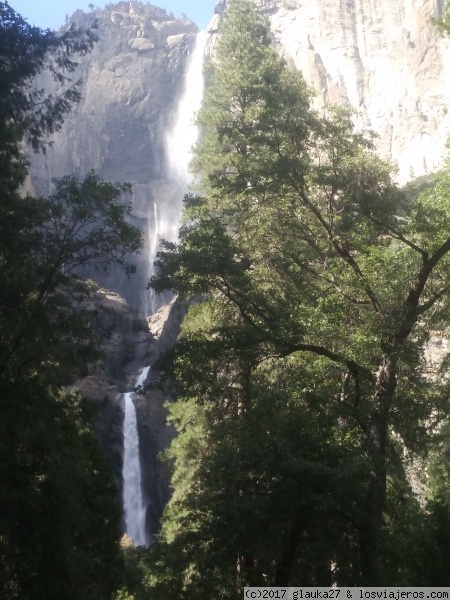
(133, 501)
(180, 139)
(164, 224)
(184, 134)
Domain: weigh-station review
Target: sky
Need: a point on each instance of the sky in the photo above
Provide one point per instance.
(51, 14)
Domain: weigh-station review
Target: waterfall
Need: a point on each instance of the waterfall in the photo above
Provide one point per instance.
(154, 234)
(179, 142)
(164, 223)
(184, 134)
(133, 502)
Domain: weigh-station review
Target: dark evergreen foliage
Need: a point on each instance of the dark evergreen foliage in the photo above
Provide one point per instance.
(304, 399)
(59, 519)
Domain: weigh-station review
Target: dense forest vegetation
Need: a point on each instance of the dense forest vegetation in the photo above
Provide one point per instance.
(312, 444)
(59, 517)
(313, 431)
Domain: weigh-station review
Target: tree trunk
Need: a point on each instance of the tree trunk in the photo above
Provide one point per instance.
(371, 527)
(246, 571)
(284, 564)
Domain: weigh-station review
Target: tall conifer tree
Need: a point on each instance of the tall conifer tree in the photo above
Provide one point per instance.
(322, 278)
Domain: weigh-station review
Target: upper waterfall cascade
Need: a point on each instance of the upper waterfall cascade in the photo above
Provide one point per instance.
(154, 235)
(184, 134)
(179, 142)
(133, 501)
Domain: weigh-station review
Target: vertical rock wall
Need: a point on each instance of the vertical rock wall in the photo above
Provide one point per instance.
(384, 57)
(131, 84)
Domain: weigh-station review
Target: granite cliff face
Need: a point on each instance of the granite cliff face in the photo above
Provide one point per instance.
(126, 127)
(384, 57)
(132, 82)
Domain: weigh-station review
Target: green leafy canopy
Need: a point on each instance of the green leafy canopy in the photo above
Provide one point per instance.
(320, 280)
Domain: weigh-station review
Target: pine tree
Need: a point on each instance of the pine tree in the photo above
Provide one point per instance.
(315, 263)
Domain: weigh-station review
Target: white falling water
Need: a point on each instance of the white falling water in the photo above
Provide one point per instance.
(154, 234)
(164, 224)
(133, 502)
(179, 142)
(184, 133)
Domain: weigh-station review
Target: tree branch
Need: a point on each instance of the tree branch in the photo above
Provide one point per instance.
(412, 308)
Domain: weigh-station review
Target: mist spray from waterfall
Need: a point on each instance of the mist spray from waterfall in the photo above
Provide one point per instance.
(133, 501)
(154, 235)
(180, 140)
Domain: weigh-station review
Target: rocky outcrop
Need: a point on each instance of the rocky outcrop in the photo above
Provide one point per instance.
(128, 346)
(384, 57)
(165, 324)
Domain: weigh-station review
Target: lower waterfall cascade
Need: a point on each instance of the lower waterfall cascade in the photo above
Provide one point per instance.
(133, 501)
